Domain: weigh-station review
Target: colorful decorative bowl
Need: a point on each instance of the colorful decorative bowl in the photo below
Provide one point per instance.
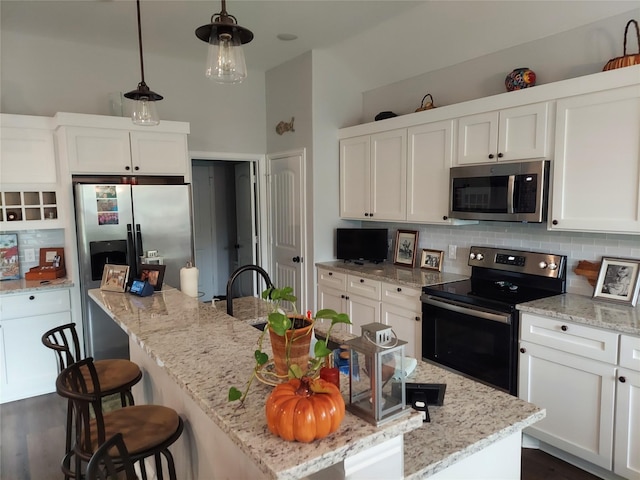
(520, 78)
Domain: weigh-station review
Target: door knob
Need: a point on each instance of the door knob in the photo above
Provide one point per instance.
(296, 259)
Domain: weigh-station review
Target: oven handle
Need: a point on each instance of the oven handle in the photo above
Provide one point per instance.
(459, 308)
(510, 193)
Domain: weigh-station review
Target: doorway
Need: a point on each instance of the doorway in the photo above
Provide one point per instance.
(224, 206)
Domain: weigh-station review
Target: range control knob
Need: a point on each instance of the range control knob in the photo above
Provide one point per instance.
(543, 264)
(552, 266)
(479, 256)
(472, 255)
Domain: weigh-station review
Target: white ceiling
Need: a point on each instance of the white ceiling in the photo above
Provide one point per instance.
(374, 37)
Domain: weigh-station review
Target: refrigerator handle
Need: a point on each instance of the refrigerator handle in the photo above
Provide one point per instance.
(139, 249)
(132, 259)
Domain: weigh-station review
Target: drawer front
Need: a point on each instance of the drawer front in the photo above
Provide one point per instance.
(333, 279)
(364, 287)
(402, 296)
(34, 303)
(630, 352)
(569, 337)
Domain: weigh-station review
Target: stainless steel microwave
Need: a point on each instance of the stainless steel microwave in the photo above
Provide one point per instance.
(505, 192)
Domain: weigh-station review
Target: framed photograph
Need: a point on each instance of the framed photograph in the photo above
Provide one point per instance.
(154, 274)
(431, 259)
(114, 278)
(9, 259)
(618, 281)
(405, 251)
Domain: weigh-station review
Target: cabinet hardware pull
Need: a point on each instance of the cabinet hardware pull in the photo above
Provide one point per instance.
(491, 155)
(555, 222)
(399, 289)
(622, 379)
(564, 328)
(444, 217)
(347, 297)
(136, 168)
(366, 214)
(500, 155)
(343, 296)
(362, 280)
(417, 319)
(330, 273)
(127, 168)
(523, 350)
(31, 297)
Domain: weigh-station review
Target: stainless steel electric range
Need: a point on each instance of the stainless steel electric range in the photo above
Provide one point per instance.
(471, 326)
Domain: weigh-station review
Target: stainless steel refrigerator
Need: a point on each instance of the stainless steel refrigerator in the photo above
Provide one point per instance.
(118, 224)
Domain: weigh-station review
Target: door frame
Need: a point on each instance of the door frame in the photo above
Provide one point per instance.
(259, 162)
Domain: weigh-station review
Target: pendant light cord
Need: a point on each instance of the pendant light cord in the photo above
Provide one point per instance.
(140, 44)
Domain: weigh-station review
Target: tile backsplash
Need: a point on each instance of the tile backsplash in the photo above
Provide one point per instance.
(36, 239)
(525, 236)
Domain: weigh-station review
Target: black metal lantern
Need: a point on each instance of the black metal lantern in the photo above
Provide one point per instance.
(225, 60)
(144, 112)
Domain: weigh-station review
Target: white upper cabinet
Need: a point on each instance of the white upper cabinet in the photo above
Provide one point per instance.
(511, 134)
(27, 153)
(429, 160)
(159, 153)
(373, 176)
(596, 168)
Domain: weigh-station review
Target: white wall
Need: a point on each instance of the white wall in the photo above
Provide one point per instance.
(42, 76)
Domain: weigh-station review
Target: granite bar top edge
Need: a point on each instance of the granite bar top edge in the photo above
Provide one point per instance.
(585, 310)
(8, 287)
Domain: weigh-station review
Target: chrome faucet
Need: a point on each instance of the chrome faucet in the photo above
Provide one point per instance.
(235, 275)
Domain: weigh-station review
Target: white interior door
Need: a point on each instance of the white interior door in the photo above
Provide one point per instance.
(245, 226)
(287, 221)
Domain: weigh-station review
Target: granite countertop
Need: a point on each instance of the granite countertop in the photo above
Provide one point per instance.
(24, 286)
(587, 311)
(387, 272)
(197, 345)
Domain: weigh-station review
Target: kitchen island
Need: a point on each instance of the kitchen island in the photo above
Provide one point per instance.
(191, 353)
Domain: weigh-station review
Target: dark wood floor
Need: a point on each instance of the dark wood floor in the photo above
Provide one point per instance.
(32, 444)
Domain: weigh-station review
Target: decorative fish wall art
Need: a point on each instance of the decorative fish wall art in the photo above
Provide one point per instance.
(285, 127)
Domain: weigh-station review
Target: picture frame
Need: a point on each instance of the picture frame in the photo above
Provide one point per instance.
(431, 259)
(618, 281)
(114, 278)
(404, 253)
(9, 257)
(152, 273)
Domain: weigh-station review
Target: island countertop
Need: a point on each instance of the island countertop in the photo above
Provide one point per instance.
(198, 344)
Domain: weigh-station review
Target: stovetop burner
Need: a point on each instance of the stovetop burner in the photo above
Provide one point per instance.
(501, 279)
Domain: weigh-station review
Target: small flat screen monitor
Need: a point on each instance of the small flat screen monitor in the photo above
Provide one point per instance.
(368, 244)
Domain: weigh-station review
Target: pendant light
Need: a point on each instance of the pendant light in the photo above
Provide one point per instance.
(144, 111)
(225, 60)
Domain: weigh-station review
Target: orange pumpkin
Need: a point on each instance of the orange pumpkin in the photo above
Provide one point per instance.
(304, 409)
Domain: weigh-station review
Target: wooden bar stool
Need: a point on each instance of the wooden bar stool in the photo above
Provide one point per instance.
(116, 376)
(147, 430)
(110, 460)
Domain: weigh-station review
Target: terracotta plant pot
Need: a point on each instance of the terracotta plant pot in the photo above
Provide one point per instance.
(300, 339)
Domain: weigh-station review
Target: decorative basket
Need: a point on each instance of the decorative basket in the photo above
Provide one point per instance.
(426, 106)
(625, 60)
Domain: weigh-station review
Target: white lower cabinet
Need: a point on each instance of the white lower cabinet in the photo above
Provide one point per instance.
(368, 301)
(28, 368)
(591, 395)
(626, 461)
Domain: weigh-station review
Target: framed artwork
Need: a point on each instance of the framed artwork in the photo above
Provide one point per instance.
(152, 273)
(432, 259)
(114, 278)
(405, 250)
(9, 259)
(618, 281)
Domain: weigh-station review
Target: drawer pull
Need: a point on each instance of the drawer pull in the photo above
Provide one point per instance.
(399, 289)
(346, 297)
(31, 297)
(417, 319)
(330, 273)
(564, 328)
(523, 350)
(343, 296)
(622, 379)
(362, 280)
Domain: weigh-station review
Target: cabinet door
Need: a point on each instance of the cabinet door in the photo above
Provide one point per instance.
(578, 394)
(407, 325)
(97, 150)
(29, 367)
(523, 132)
(477, 138)
(428, 162)
(361, 312)
(159, 153)
(28, 156)
(596, 169)
(355, 183)
(626, 462)
(335, 300)
(389, 175)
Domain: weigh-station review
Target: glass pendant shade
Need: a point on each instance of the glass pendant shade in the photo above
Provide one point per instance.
(225, 60)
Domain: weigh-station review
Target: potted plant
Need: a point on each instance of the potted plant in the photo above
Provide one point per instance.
(290, 335)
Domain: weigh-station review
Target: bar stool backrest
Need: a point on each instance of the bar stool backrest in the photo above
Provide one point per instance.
(102, 467)
(79, 383)
(64, 341)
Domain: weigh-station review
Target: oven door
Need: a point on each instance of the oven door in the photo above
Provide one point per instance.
(478, 343)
